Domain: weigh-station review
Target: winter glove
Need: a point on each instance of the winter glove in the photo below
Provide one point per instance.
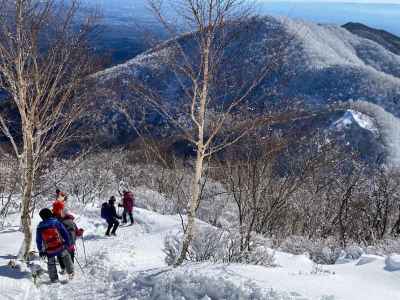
(80, 232)
(71, 248)
(42, 254)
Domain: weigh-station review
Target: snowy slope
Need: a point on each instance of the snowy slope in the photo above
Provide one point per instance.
(352, 116)
(324, 63)
(131, 266)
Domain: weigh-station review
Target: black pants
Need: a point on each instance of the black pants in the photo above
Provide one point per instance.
(61, 260)
(65, 259)
(126, 212)
(112, 223)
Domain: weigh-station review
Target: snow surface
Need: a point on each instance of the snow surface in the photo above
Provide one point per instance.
(387, 125)
(393, 262)
(132, 266)
(352, 116)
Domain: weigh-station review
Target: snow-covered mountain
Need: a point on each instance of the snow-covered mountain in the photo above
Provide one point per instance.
(322, 64)
(325, 63)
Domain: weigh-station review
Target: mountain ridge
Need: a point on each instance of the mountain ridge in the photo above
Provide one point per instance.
(318, 52)
(386, 39)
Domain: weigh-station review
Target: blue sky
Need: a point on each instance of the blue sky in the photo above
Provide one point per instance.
(373, 13)
(341, 1)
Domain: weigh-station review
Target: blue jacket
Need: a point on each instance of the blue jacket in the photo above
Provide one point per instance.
(52, 223)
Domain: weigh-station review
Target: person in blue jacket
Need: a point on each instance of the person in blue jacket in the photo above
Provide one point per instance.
(52, 240)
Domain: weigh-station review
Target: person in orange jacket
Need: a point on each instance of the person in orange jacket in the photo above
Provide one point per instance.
(68, 221)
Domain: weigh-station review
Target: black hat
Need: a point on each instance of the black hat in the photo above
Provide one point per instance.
(112, 199)
(45, 214)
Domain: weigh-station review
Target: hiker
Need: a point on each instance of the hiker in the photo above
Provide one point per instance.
(68, 221)
(109, 213)
(60, 201)
(52, 240)
(128, 201)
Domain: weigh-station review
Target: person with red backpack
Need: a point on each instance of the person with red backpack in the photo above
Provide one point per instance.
(68, 221)
(52, 240)
(128, 201)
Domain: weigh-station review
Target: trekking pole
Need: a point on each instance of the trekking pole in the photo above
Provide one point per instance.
(84, 250)
(80, 266)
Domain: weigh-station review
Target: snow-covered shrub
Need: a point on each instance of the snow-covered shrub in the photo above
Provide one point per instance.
(192, 284)
(216, 205)
(87, 181)
(172, 246)
(384, 247)
(323, 251)
(367, 259)
(9, 186)
(219, 246)
(171, 192)
(349, 254)
(354, 252)
(261, 256)
(257, 253)
(392, 262)
(206, 246)
(152, 200)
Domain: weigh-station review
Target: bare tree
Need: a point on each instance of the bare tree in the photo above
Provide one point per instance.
(44, 61)
(214, 87)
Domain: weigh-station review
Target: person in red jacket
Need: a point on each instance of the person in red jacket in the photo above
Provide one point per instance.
(128, 201)
(59, 203)
(74, 232)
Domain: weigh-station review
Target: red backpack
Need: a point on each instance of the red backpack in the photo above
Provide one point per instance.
(52, 240)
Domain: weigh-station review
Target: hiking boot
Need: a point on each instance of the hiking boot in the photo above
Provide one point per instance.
(114, 234)
(71, 276)
(62, 272)
(131, 224)
(54, 280)
(107, 234)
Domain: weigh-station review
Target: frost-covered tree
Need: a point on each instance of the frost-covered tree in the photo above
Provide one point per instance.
(215, 90)
(44, 60)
